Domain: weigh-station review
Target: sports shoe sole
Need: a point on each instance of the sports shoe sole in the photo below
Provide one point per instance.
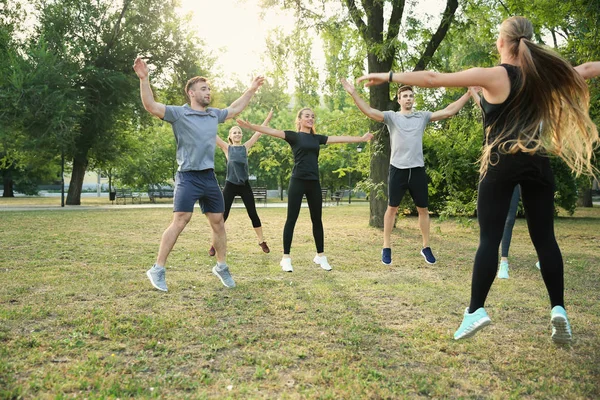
(476, 327)
(384, 263)
(152, 282)
(561, 332)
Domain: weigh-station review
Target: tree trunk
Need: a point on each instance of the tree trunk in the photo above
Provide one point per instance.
(585, 198)
(80, 164)
(379, 99)
(8, 186)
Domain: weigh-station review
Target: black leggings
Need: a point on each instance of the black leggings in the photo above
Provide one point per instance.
(534, 175)
(312, 190)
(245, 192)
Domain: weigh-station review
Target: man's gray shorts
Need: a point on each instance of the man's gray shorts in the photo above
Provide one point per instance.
(201, 186)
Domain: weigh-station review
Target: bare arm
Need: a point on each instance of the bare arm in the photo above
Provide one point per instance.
(475, 95)
(362, 105)
(452, 108)
(257, 134)
(262, 129)
(143, 72)
(349, 139)
(494, 81)
(589, 70)
(238, 106)
(223, 145)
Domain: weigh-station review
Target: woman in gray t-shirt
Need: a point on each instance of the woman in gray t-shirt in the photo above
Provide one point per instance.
(236, 183)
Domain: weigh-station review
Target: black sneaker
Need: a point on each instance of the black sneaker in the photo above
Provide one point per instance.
(428, 255)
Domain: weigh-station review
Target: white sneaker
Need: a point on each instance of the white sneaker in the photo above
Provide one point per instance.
(286, 264)
(322, 261)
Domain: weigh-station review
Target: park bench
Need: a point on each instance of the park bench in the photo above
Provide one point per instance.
(123, 194)
(324, 196)
(160, 193)
(259, 193)
(337, 196)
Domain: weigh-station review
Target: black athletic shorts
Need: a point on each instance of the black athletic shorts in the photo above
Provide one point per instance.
(413, 179)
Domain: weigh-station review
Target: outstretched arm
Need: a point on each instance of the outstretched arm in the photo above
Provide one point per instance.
(143, 72)
(362, 105)
(262, 129)
(257, 134)
(493, 80)
(349, 139)
(589, 70)
(238, 106)
(452, 108)
(223, 145)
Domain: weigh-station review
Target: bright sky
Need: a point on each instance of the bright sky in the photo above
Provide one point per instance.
(234, 30)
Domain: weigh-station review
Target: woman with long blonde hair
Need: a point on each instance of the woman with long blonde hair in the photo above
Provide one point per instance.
(534, 104)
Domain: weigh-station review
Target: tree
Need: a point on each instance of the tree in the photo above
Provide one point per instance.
(32, 129)
(99, 40)
(379, 31)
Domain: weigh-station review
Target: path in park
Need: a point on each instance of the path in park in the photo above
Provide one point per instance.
(119, 207)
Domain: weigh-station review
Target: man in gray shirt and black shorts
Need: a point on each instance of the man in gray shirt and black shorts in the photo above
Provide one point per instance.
(195, 130)
(407, 167)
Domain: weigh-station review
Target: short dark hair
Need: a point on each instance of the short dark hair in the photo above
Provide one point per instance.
(404, 88)
(192, 82)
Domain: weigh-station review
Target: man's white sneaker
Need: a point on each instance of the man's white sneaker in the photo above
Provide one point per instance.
(286, 264)
(322, 261)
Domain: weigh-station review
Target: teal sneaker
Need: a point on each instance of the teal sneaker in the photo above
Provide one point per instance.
(472, 323)
(222, 272)
(537, 265)
(503, 270)
(561, 329)
(156, 275)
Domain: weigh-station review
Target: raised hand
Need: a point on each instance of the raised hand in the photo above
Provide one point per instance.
(141, 68)
(257, 82)
(244, 124)
(373, 79)
(367, 136)
(348, 87)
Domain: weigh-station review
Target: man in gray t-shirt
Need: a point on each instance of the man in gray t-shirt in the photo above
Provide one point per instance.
(195, 130)
(407, 168)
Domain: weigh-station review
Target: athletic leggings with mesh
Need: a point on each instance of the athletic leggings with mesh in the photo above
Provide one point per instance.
(312, 190)
(534, 175)
(245, 192)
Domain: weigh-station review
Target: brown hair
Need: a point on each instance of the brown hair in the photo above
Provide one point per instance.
(312, 130)
(404, 88)
(192, 82)
(551, 108)
(231, 130)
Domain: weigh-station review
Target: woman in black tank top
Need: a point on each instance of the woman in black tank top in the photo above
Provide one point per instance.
(531, 86)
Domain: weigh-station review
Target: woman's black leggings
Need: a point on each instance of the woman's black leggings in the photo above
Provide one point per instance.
(312, 190)
(245, 192)
(534, 175)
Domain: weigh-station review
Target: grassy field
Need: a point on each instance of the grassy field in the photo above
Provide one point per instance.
(78, 318)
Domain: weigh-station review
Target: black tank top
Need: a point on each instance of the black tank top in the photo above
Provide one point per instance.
(495, 115)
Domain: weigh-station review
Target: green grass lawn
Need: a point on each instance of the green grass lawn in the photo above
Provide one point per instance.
(78, 317)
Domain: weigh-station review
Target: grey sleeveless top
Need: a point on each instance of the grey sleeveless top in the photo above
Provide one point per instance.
(237, 165)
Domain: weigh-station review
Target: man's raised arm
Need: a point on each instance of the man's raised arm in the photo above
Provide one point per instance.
(238, 106)
(452, 108)
(362, 105)
(143, 72)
